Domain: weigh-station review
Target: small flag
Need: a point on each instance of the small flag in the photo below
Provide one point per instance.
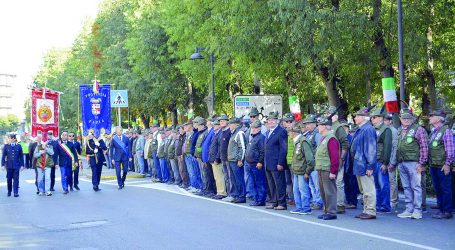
(294, 106)
(390, 95)
(96, 86)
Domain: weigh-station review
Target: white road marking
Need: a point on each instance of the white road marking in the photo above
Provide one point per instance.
(166, 188)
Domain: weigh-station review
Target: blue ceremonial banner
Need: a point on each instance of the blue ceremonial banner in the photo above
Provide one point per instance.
(96, 109)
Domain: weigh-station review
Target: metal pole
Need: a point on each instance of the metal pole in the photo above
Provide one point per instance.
(119, 118)
(128, 117)
(212, 61)
(400, 49)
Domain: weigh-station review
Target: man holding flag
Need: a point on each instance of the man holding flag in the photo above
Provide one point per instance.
(120, 155)
(65, 156)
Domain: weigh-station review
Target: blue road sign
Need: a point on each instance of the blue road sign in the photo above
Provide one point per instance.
(119, 98)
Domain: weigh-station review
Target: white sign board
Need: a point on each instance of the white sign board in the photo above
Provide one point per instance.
(264, 103)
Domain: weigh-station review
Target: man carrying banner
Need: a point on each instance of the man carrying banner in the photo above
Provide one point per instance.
(65, 156)
(75, 171)
(120, 155)
(94, 150)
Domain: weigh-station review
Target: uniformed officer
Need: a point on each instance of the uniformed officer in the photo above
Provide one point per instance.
(75, 172)
(94, 150)
(441, 156)
(384, 151)
(412, 155)
(13, 161)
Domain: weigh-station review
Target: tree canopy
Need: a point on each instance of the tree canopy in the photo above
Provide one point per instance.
(325, 52)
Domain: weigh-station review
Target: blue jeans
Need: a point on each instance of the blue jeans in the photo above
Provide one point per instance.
(190, 169)
(44, 179)
(315, 191)
(249, 182)
(156, 164)
(140, 160)
(412, 186)
(443, 186)
(301, 188)
(164, 171)
(258, 182)
(382, 188)
(238, 180)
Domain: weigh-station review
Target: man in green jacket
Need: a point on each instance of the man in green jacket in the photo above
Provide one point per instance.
(302, 166)
(289, 122)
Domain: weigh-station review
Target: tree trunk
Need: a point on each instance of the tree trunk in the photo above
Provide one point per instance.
(429, 71)
(256, 84)
(385, 61)
(146, 120)
(190, 98)
(331, 82)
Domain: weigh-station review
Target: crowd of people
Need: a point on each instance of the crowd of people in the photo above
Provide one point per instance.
(319, 163)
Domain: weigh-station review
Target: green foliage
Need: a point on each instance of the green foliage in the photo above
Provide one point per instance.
(144, 46)
(8, 123)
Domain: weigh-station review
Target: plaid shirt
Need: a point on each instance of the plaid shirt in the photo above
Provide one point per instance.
(422, 138)
(449, 147)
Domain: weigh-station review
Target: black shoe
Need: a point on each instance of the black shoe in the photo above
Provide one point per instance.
(77, 188)
(257, 204)
(120, 187)
(237, 200)
(66, 192)
(52, 190)
(9, 194)
(16, 195)
(37, 192)
(98, 189)
(321, 216)
(71, 189)
(329, 217)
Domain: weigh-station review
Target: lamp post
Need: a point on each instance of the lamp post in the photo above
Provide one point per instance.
(400, 50)
(197, 56)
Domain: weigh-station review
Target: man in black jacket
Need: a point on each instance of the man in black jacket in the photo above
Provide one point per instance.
(255, 159)
(214, 159)
(224, 142)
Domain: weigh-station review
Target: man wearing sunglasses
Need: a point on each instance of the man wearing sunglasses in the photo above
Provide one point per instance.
(75, 172)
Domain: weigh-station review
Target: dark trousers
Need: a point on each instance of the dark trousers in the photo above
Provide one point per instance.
(12, 179)
(259, 183)
(27, 163)
(453, 189)
(208, 179)
(36, 179)
(131, 163)
(351, 187)
(97, 168)
(228, 178)
(164, 171)
(328, 192)
(75, 175)
(182, 170)
(443, 187)
(53, 177)
(289, 186)
(121, 169)
(277, 185)
(170, 171)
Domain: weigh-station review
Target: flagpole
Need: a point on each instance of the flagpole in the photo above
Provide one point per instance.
(119, 117)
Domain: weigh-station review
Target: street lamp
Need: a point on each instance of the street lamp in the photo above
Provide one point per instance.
(197, 56)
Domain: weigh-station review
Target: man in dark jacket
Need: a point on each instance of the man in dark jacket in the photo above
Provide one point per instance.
(179, 144)
(224, 142)
(65, 157)
(214, 159)
(275, 161)
(78, 148)
(255, 159)
(384, 151)
(13, 161)
(94, 150)
(363, 154)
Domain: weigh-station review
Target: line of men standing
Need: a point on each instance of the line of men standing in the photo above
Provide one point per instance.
(318, 163)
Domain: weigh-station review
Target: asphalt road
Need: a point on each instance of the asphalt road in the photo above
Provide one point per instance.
(159, 216)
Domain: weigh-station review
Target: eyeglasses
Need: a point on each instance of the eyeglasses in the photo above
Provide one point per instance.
(253, 116)
(288, 121)
(70, 135)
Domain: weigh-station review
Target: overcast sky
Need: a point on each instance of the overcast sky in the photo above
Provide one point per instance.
(29, 28)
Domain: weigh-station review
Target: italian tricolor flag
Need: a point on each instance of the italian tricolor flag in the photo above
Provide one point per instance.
(294, 106)
(390, 95)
